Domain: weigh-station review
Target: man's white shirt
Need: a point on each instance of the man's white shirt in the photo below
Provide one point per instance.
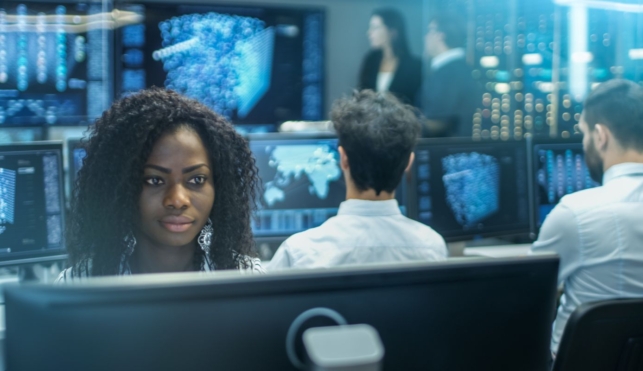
(447, 57)
(362, 232)
(598, 234)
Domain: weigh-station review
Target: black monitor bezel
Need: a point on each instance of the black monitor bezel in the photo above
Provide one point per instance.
(40, 256)
(412, 196)
(533, 167)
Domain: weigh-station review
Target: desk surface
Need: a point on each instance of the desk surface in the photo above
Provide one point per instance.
(500, 251)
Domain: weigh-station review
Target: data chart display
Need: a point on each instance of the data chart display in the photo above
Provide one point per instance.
(31, 200)
(465, 188)
(252, 65)
(55, 62)
(559, 169)
(302, 183)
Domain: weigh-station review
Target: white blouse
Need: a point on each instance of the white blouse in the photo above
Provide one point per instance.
(384, 80)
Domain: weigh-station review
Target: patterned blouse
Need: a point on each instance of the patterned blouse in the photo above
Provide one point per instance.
(83, 268)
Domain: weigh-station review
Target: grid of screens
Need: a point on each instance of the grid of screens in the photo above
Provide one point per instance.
(54, 63)
(253, 65)
(537, 60)
(31, 200)
(467, 188)
(303, 183)
(559, 169)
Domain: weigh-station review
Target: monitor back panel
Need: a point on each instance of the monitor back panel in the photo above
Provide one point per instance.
(456, 316)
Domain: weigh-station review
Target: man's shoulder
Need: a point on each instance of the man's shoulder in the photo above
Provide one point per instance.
(456, 65)
(419, 228)
(587, 199)
(311, 236)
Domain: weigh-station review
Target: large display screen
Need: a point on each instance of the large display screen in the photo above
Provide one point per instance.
(252, 65)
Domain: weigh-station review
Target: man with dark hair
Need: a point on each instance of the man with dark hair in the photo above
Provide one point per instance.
(377, 135)
(449, 95)
(598, 232)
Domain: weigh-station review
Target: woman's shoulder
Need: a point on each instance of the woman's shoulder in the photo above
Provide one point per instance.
(76, 272)
(248, 264)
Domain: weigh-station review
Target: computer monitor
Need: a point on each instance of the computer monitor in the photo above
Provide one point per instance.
(32, 208)
(248, 129)
(252, 64)
(55, 62)
(462, 314)
(465, 188)
(302, 180)
(559, 169)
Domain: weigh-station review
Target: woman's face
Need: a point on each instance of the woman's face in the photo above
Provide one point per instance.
(378, 34)
(178, 190)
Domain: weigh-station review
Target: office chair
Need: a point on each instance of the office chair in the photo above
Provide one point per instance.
(605, 335)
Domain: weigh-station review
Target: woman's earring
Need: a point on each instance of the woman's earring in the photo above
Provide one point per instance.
(205, 237)
(130, 242)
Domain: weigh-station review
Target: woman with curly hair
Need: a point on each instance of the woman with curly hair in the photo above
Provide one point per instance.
(167, 186)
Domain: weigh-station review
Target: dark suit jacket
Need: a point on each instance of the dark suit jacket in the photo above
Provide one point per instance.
(451, 95)
(406, 81)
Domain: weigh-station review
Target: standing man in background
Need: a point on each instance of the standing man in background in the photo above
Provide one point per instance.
(450, 94)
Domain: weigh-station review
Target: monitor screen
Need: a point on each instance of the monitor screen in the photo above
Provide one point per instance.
(473, 314)
(55, 62)
(253, 65)
(466, 188)
(559, 169)
(303, 183)
(31, 200)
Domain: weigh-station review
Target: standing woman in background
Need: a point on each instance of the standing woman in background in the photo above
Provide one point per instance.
(389, 66)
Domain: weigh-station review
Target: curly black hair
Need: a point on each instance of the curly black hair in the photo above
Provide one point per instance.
(104, 204)
(378, 133)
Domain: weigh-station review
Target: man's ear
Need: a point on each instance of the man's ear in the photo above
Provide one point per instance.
(343, 159)
(601, 135)
(410, 164)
